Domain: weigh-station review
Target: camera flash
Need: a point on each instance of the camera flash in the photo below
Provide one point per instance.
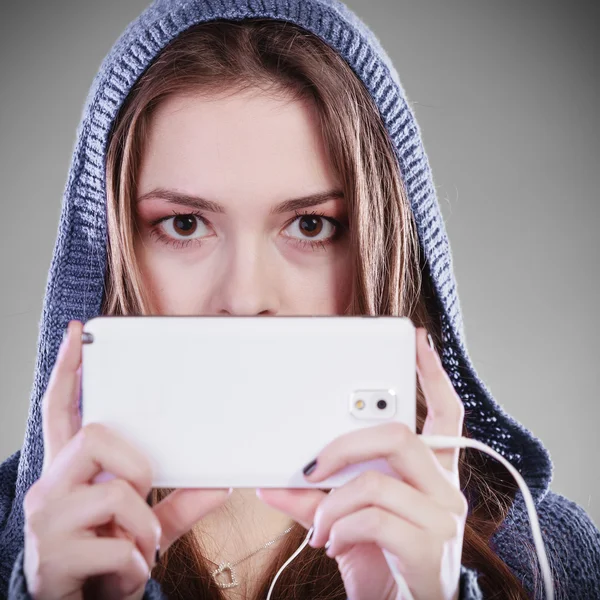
(359, 404)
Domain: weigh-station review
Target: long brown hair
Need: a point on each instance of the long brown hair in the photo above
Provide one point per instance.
(390, 274)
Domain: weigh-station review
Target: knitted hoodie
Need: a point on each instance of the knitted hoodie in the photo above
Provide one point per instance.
(76, 277)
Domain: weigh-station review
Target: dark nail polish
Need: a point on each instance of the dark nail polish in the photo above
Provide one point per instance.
(87, 338)
(310, 467)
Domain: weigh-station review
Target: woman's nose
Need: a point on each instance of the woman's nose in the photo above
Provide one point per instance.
(246, 284)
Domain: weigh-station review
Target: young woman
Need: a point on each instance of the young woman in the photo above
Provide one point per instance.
(250, 158)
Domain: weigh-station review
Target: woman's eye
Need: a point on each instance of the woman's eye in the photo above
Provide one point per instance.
(307, 230)
(313, 228)
(184, 227)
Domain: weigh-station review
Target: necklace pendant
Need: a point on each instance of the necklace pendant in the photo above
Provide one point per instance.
(222, 570)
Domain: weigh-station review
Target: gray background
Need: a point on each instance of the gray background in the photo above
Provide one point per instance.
(506, 95)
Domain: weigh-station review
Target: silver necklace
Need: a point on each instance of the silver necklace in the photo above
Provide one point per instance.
(230, 567)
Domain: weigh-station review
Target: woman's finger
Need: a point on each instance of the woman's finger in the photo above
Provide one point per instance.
(445, 409)
(60, 403)
(96, 448)
(413, 546)
(299, 504)
(183, 508)
(93, 556)
(406, 454)
(373, 488)
(93, 506)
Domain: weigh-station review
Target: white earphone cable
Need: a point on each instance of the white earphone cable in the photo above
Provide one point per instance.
(289, 560)
(444, 441)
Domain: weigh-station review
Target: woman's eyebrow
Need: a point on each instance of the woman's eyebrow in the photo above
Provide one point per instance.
(199, 203)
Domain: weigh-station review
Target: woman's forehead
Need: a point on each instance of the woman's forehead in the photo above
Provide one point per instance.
(240, 147)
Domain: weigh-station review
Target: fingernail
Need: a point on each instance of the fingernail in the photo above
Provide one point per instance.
(103, 477)
(310, 467)
(327, 544)
(87, 338)
(157, 555)
(431, 344)
(65, 334)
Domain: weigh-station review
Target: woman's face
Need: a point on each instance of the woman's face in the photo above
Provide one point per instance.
(237, 170)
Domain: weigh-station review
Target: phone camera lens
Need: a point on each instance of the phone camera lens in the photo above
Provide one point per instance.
(381, 404)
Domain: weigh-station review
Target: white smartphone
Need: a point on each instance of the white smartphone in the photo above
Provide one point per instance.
(245, 401)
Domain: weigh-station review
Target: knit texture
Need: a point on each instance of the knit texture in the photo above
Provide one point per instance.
(76, 280)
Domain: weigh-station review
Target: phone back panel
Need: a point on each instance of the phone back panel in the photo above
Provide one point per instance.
(244, 401)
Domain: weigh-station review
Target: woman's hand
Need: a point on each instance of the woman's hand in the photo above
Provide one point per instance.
(419, 520)
(79, 532)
